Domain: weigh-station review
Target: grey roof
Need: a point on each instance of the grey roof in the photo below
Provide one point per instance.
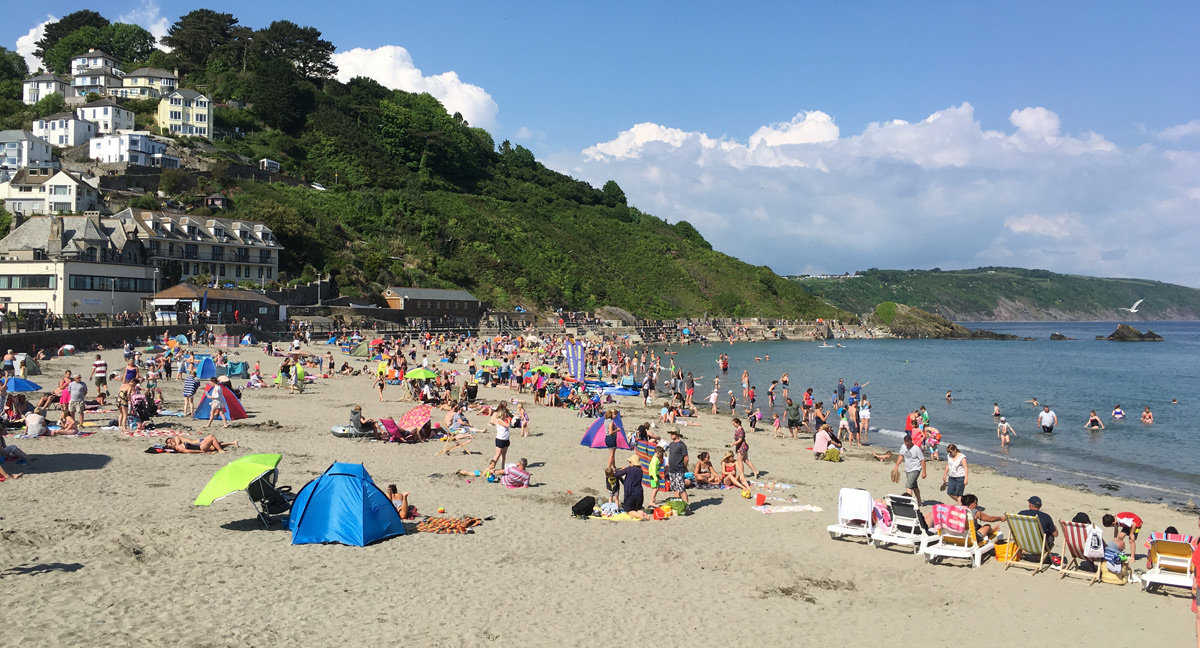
(34, 233)
(17, 136)
(61, 115)
(432, 293)
(105, 102)
(47, 77)
(94, 52)
(188, 93)
(152, 72)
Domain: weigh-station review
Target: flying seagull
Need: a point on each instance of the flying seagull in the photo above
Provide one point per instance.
(1134, 309)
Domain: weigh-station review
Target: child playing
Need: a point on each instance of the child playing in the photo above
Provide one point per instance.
(775, 423)
(732, 402)
(611, 483)
(712, 399)
(932, 439)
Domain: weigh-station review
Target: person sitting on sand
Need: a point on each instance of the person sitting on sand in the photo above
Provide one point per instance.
(730, 476)
(883, 457)
(207, 445)
(400, 501)
(67, 426)
(1094, 422)
(705, 474)
(515, 475)
(824, 442)
(11, 452)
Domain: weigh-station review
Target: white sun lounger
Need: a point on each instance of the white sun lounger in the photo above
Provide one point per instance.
(907, 530)
(855, 512)
(959, 545)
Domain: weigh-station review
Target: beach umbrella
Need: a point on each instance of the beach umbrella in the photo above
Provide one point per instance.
(420, 374)
(15, 384)
(416, 418)
(376, 341)
(236, 476)
(545, 369)
(66, 350)
(594, 436)
(490, 362)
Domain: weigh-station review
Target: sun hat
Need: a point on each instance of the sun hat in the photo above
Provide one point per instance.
(632, 460)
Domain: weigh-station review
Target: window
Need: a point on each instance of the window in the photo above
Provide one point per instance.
(201, 117)
(218, 253)
(237, 271)
(264, 256)
(268, 273)
(117, 284)
(60, 190)
(154, 247)
(221, 271)
(176, 115)
(260, 273)
(195, 268)
(191, 230)
(27, 282)
(190, 251)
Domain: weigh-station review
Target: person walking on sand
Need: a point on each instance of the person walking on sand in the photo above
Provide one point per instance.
(1004, 431)
(501, 419)
(742, 449)
(216, 404)
(914, 467)
(1047, 419)
(956, 473)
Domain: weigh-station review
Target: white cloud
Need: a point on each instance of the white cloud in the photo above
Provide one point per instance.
(1180, 131)
(149, 16)
(27, 44)
(1059, 226)
(523, 133)
(392, 66)
(941, 191)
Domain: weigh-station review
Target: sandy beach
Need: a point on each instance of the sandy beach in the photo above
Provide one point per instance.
(100, 545)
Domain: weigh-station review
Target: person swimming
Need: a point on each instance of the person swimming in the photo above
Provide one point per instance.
(995, 410)
(1118, 413)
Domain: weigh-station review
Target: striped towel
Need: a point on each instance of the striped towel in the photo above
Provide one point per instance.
(152, 433)
(950, 518)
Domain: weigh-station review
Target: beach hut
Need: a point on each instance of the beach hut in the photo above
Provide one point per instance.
(233, 406)
(594, 437)
(206, 368)
(343, 505)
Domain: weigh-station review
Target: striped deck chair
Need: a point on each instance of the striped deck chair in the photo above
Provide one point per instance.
(1171, 565)
(1030, 539)
(1075, 535)
(964, 544)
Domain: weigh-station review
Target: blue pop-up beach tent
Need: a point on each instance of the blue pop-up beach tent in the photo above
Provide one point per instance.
(594, 437)
(206, 368)
(343, 505)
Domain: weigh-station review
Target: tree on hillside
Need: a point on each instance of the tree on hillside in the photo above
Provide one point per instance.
(13, 71)
(69, 23)
(199, 34)
(613, 194)
(279, 100)
(303, 46)
(122, 41)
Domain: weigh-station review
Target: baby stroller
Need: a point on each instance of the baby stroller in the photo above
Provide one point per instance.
(143, 408)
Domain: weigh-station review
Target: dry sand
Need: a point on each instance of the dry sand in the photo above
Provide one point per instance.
(101, 546)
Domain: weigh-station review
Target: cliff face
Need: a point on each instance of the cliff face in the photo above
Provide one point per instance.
(1008, 310)
(905, 321)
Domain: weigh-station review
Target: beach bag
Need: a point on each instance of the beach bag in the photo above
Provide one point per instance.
(679, 506)
(1093, 549)
(584, 507)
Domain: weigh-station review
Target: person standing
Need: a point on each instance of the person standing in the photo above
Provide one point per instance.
(216, 404)
(914, 467)
(792, 412)
(677, 463)
(1047, 419)
(10, 363)
(78, 394)
(100, 377)
(190, 384)
(501, 419)
(1004, 431)
(742, 449)
(956, 474)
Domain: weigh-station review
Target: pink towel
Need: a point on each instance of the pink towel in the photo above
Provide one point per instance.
(883, 514)
(950, 518)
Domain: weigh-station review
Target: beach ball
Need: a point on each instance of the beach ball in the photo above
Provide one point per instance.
(441, 510)
(745, 494)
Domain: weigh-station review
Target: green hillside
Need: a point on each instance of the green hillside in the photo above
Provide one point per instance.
(1014, 294)
(415, 195)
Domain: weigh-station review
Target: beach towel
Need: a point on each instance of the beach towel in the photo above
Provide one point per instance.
(883, 515)
(159, 449)
(770, 508)
(152, 433)
(448, 526)
(950, 518)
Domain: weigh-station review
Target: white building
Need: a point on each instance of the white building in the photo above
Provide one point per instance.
(74, 264)
(146, 83)
(94, 59)
(108, 115)
(21, 149)
(41, 86)
(136, 147)
(49, 191)
(64, 129)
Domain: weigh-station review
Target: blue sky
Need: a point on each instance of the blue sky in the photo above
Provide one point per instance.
(846, 135)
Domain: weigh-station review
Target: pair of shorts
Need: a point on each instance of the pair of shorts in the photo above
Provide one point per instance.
(910, 480)
(955, 486)
(101, 381)
(76, 408)
(678, 482)
(1047, 429)
(501, 443)
(793, 423)
(610, 441)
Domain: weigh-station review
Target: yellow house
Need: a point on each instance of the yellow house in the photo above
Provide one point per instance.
(146, 83)
(186, 112)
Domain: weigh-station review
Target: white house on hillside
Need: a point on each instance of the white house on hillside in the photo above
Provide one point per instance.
(108, 115)
(64, 129)
(96, 72)
(49, 191)
(137, 147)
(41, 86)
(20, 149)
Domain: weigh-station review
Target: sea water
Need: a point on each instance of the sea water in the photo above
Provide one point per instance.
(1159, 462)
